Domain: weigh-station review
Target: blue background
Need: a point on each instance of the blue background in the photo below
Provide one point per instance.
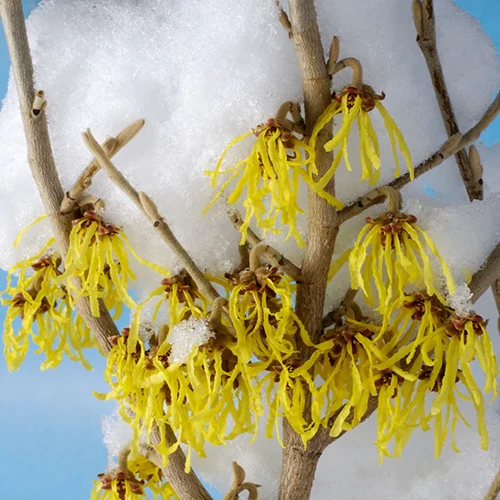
(50, 430)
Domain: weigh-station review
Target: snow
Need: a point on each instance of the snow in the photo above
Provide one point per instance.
(187, 335)
(201, 73)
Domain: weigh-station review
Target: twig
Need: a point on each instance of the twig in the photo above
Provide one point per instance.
(186, 485)
(486, 275)
(40, 157)
(494, 489)
(450, 147)
(276, 258)
(239, 485)
(150, 210)
(111, 147)
(495, 288)
(423, 12)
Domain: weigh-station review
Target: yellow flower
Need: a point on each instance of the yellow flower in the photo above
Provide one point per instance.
(392, 251)
(198, 397)
(436, 348)
(40, 311)
(152, 476)
(98, 256)
(355, 103)
(270, 175)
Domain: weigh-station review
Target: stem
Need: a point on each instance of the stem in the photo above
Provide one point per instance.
(494, 489)
(425, 23)
(487, 275)
(299, 465)
(186, 485)
(357, 70)
(276, 259)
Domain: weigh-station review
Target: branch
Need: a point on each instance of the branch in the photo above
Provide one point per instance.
(40, 157)
(495, 288)
(494, 489)
(186, 485)
(297, 473)
(111, 147)
(150, 210)
(425, 23)
(449, 147)
(486, 275)
(276, 258)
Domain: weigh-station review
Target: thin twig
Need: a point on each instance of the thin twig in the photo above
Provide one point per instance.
(486, 275)
(111, 147)
(186, 485)
(334, 315)
(276, 258)
(450, 147)
(150, 210)
(425, 22)
(494, 489)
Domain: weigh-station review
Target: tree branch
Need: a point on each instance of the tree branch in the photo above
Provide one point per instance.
(299, 465)
(111, 147)
(450, 147)
(186, 485)
(423, 11)
(486, 275)
(494, 489)
(149, 209)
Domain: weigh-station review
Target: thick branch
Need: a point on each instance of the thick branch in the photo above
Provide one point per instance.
(149, 209)
(449, 148)
(299, 465)
(426, 40)
(40, 157)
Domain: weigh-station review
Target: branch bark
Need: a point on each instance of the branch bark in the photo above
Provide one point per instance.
(426, 39)
(494, 489)
(444, 152)
(43, 169)
(486, 275)
(299, 465)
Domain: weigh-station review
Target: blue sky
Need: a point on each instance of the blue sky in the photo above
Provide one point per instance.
(50, 431)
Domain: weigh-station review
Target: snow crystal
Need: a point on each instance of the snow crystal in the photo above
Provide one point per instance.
(116, 435)
(187, 335)
(461, 300)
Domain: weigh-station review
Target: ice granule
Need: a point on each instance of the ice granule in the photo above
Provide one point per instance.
(187, 335)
